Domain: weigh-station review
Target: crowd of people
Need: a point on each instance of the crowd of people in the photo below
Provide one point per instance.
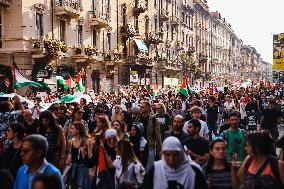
(133, 140)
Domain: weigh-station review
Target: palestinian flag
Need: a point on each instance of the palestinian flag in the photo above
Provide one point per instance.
(184, 89)
(78, 82)
(104, 176)
(21, 81)
(61, 81)
(155, 91)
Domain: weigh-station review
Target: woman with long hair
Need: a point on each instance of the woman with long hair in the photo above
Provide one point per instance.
(76, 116)
(128, 168)
(218, 171)
(177, 109)
(12, 155)
(261, 170)
(55, 138)
(120, 128)
(117, 113)
(77, 155)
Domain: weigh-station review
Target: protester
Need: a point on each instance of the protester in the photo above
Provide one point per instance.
(196, 146)
(235, 137)
(128, 169)
(126, 120)
(33, 153)
(260, 166)
(163, 118)
(120, 128)
(117, 113)
(137, 140)
(218, 171)
(43, 181)
(12, 155)
(87, 112)
(175, 170)
(31, 124)
(177, 130)
(6, 179)
(77, 155)
(270, 119)
(55, 137)
(212, 116)
(151, 133)
(62, 115)
(177, 109)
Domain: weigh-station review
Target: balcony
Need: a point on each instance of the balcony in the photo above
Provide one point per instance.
(5, 3)
(98, 21)
(37, 46)
(140, 8)
(128, 31)
(168, 44)
(154, 39)
(186, 7)
(179, 46)
(164, 15)
(174, 20)
(68, 8)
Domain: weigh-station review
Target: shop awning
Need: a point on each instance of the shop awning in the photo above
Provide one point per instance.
(141, 45)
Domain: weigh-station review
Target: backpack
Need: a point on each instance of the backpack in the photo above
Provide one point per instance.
(273, 161)
(226, 134)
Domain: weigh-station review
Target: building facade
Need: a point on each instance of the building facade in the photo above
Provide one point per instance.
(122, 42)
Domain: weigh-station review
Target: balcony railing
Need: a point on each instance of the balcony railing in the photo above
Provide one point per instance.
(174, 20)
(153, 38)
(140, 7)
(5, 3)
(164, 15)
(69, 8)
(98, 20)
(179, 46)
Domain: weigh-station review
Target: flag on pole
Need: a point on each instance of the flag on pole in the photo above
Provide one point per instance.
(78, 82)
(61, 81)
(155, 90)
(184, 89)
(20, 80)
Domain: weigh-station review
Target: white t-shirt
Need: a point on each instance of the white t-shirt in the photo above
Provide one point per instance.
(229, 106)
(203, 130)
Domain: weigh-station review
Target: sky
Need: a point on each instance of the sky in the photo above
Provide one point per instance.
(254, 21)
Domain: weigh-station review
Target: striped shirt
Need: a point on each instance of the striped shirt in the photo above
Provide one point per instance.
(219, 179)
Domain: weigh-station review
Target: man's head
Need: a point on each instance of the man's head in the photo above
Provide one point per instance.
(28, 115)
(272, 104)
(62, 112)
(83, 102)
(234, 119)
(34, 149)
(195, 112)
(211, 99)
(178, 123)
(145, 107)
(229, 98)
(160, 108)
(194, 127)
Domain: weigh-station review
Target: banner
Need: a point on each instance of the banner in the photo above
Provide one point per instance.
(278, 51)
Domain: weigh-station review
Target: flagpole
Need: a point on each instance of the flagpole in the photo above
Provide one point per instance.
(13, 69)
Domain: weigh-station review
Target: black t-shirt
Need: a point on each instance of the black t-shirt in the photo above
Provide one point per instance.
(31, 129)
(144, 121)
(13, 160)
(164, 121)
(212, 113)
(271, 118)
(198, 146)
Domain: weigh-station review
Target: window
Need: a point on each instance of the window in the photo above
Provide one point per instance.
(109, 41)
(167, 31)
(39, 25)
(80, 34)
(146, 24)
(94, 37)
(62, 30)
(136, 23)
(1, 31)
(173, 32)
(182, 36)
(155, 3)
(146, 3)
(168, 54)
(124, 14)
(156, 24)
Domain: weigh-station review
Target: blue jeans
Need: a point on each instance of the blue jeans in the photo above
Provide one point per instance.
(212, 126)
